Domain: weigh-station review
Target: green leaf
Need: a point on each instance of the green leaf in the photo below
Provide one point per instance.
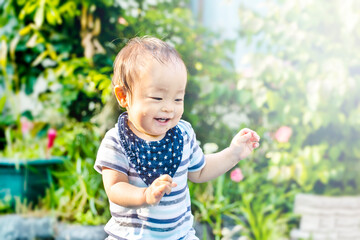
(39, 14)
(2, 103)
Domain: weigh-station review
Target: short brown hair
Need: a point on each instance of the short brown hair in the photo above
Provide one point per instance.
(135, 55)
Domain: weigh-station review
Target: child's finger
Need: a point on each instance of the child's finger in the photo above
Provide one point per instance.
(159, 191)
(244, 131)
(165, 188)
(158, 194)
(255, 144)
(245, 138)
(165, 177)
(169, 186)
(255, 136)
(160, 180)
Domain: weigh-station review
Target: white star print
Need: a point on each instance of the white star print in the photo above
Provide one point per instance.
(149, 153)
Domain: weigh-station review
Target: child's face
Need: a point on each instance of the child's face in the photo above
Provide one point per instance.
(157, 101)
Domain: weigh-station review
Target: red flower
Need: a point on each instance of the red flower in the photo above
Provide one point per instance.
(51, 137)
(236, 175)
(283, 134)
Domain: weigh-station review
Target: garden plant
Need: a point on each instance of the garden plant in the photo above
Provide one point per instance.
(297, 87)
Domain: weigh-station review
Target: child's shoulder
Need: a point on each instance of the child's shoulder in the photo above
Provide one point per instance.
(112, 134)
(185, 126)
(112, 131)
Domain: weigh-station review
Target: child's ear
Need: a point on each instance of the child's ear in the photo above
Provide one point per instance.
(120, 96)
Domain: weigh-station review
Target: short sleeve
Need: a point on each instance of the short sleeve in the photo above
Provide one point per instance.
(197, 158)
(110, 154)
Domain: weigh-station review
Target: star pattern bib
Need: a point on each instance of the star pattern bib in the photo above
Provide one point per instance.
(151, 159)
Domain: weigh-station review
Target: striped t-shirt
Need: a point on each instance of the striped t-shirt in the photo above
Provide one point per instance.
(171, 218)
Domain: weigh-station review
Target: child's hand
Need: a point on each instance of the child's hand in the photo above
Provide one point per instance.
(158, 188)
(244, 143)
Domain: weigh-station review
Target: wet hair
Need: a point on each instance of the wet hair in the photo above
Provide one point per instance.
(135, 57)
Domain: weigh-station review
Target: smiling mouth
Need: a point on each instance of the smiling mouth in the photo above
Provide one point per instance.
(162, 120)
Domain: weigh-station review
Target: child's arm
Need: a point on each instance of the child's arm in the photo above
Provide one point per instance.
(121, 192)
(219, 163)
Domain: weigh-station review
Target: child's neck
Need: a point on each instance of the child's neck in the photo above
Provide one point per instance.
(144, 135)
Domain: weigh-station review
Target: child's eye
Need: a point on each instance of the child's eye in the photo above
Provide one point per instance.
(178, 100)
(156, 98)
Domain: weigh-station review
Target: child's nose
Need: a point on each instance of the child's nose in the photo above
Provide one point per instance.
(167, 108)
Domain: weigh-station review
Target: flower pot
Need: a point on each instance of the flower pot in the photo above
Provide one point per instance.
(25, 179)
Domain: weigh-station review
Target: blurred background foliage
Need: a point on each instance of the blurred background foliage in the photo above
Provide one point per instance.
(297, 87)
(304, 75)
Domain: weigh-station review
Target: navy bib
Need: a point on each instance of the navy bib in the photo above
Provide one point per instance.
(151, 159)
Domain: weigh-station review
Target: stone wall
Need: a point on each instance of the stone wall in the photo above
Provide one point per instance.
(327, 218)
(16, 227)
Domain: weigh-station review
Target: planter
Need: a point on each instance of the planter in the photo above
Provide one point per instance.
(25, 179)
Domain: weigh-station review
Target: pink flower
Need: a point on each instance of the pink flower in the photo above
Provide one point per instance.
(122, 21)
(51, 137)
(283, 134)
(26, 126)
(236, 175)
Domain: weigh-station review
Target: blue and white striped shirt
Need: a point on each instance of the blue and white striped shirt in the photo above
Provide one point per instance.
(171, 218)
